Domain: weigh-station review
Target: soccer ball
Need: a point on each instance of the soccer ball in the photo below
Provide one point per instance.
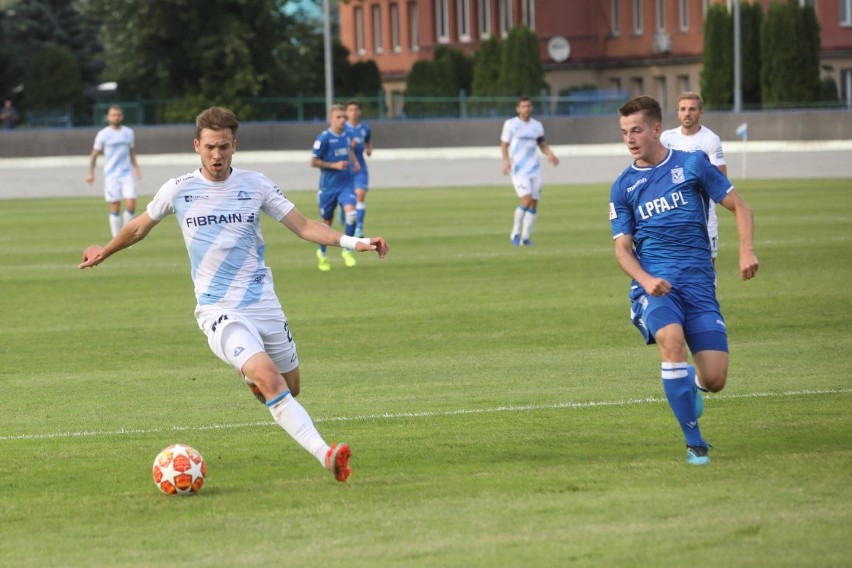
(179, 470)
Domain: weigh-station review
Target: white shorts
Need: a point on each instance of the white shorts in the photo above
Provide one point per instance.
(117, 188)
(526, 184)
(713, 230)
(234, 337)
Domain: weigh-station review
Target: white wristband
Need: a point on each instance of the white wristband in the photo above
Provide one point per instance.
(348, 242)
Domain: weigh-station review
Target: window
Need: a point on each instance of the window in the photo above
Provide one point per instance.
(616, 83)
(846, 87)
(683, 83)
(394, 21)
(463, 19)
(846, 13)
(378, 46)
(660, 84)
(637, 86)
(505, 16)
(484, 13)
(359, 31)
(529, 13)
(413, 27)
(637, 17)
(615, 18)
(684, 15)
(661, 15)
(442, 20)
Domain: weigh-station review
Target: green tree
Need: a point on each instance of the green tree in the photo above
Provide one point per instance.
(751, 17)
(54, 81)
(717, 74)
(521, 71)
(216, 51)
(27, 27)
(459, 65)
(809, 54)
(790, 47)
(486, 68)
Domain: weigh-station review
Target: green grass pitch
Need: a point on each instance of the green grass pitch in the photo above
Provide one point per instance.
(501, 408)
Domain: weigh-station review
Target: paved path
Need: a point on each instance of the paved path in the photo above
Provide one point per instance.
(434, 167)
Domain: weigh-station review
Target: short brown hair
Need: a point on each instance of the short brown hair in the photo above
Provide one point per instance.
(691, 96)
(216, 118)
(648, 106)
(351, 102)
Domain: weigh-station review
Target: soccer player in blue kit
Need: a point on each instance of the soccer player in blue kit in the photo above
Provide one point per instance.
(658, 213)
(332, 153)
(218, 210)
(362, 144)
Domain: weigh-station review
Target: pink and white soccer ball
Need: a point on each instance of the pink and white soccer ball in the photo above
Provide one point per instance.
(179, 470)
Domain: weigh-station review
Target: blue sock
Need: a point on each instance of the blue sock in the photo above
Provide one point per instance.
(350, 229)
(361, 211)
(678, 386)
(322, 249)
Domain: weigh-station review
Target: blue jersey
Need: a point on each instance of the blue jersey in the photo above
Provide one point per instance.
(360, 135)
(665, 208)
(331, 147)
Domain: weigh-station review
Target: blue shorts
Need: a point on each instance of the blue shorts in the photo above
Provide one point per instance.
(361, 179)
(328, 201)
(693, 307)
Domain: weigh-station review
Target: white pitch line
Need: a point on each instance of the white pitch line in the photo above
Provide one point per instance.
(424, 414)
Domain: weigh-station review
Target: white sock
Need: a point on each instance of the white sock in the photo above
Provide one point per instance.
(529, 221)
(519, 216)
(127, 216)
(293, 417)
(114, 223)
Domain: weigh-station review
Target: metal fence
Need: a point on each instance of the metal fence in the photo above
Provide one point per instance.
(382, 106)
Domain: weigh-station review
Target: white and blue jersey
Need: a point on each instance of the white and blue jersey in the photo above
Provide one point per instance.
(116, 144)
(220, 222)
(664, 208)
(360, 135)
(523, 138)
(331, 147)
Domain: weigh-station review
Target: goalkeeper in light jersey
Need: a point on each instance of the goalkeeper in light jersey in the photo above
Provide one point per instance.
(658, 215)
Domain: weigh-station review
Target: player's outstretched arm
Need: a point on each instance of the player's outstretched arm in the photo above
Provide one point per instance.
(745, 231)
(316, 232)
(133, 232)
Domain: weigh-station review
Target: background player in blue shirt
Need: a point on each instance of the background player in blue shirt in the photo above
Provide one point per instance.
(332, 154)
(361, 135)
(658, 212)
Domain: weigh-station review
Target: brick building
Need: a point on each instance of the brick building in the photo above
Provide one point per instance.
(643, 46)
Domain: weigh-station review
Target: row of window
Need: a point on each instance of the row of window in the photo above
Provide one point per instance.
(638, 16)
(505, 11)
(442, 22)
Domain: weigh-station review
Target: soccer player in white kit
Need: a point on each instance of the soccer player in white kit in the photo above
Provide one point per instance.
(691, 135)
(520, 141)
(117, 143)
(218, 210)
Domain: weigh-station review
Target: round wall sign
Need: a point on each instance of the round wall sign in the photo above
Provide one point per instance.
(558, 48)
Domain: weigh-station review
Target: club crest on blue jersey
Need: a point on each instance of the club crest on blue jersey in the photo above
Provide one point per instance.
(677, 175)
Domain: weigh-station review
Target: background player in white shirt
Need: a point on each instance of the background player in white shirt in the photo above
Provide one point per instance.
(116, 142)
(218, 210)
(691, 135)
(520, 141)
